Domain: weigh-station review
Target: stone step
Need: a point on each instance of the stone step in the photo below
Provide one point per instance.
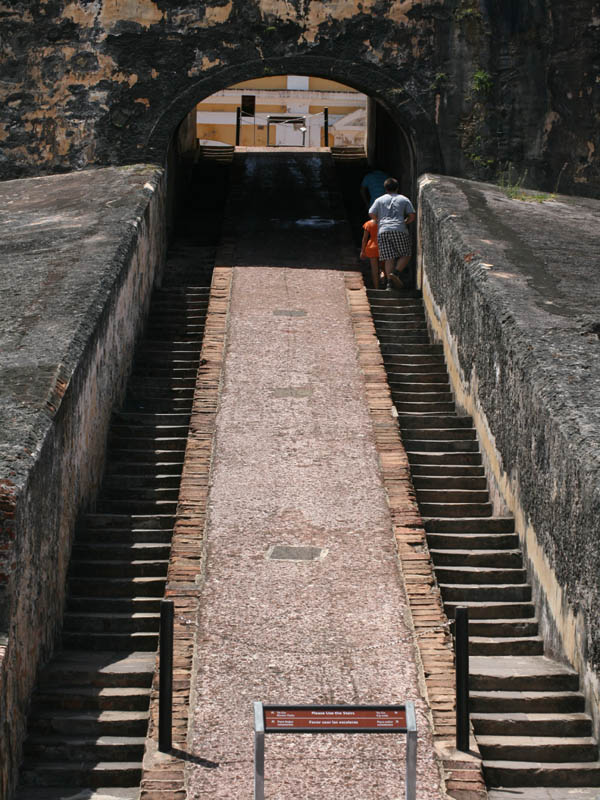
(456, 509)
(125, 642)
(131, 418)
(131, 482)
(385, 325)
(537, 748)
(522, 674)
(506, 646)
(102, 549)
(409, 405)
(524, 773)
(80, 698)
(399, 362)
(469, 525)
(412, 349)
(402, 337)
(413, 446)
(66, 793)
(526, 702)
(88, 774)
(109, 568)
(118, 456)
(446, 470)
(149, 431)
(106, 669)
(136, 506)
(116, 587)
(418, 380)
(453, 496)
(122, 537)
(517, 627)
(480, 576)
(463, 593)
(521, 724)
(491, 610)
(114, 605)
(496, 542)
(138, 522)
(50, 722)
(441, 422)
(501, 559)
(439, 434)
(108, 622)
(449, 483)
(113, 493)
(152, 443)
(80, 748)
(145, 469)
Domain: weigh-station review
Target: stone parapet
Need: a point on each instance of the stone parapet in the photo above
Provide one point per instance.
(81, 253)
(511, 290)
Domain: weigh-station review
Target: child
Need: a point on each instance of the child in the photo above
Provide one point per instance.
(370, 250)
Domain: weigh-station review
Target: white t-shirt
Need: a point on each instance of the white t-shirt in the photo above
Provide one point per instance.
(391, 210)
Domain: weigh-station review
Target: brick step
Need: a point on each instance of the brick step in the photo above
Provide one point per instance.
(414, 446)
(91, 699)
(463, 593)
(521, 724)
(523, 773)
(491, 610)
(118, 568)
(125, 642)
(109, 622)
(522, 674)
(441, 422)
(469, 525)
(480, 576)
(526, 702)
(538, 748)
(460, 510)
(474, 541)
(448, 470)
(116, 587)
(79, 748)
(506, 646)
(114, 605)
(101, 670)
(452, 496)
(93, 723)
(131, 522)
(501, 559)
(88, 774)
(89, 550)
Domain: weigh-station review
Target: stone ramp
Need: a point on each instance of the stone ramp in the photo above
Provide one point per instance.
(295, 464)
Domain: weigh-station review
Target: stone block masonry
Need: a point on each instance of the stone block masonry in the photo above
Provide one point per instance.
(80, 255)
(511, 289)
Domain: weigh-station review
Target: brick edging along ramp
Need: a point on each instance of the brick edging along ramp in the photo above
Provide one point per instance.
(462, 772)
(163, 775)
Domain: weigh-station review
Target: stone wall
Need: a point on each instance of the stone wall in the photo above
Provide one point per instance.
(510, 286)
(83, 252)
(476, 85)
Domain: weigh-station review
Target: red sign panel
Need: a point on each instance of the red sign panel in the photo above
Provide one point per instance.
(343, 719)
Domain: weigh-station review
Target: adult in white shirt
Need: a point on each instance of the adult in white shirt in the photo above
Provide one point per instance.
(393, 212)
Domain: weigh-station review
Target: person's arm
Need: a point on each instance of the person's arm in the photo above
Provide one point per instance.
(411, 218)
(363, 244)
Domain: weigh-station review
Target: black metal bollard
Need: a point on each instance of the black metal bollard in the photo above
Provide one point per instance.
(461, 649)
(165, 695)
(325, 127)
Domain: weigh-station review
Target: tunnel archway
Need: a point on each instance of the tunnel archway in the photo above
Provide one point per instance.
(394, 108)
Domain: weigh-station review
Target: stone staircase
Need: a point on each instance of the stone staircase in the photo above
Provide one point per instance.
(89, 714)
(527, 711)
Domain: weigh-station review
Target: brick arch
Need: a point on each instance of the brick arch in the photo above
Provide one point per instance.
(403, 109)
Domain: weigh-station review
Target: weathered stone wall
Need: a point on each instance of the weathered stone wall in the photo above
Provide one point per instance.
(475, 84)
(80, 256)
(511, 289)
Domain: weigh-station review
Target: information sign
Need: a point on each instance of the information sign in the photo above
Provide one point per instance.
(334, 719)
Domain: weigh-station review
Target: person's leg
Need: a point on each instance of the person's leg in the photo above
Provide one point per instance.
(375, 272)
(388, 266)
(402, 263)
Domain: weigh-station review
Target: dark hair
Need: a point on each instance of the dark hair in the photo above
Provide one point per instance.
(391, 185)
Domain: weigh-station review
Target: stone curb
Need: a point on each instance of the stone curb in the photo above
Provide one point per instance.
(163, 776)
(462, 772)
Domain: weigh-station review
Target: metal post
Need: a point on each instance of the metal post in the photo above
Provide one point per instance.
(238, 125)
(461, 647)
(165, 695)
(259, 752)
(326, 127)
(411, 751)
